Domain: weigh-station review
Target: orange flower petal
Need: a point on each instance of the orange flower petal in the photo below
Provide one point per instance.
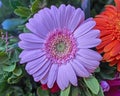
(118, 66)
(105, 32)
(100, 50)
(116, 49)
(106, 56)
(118, 57)
(110, 8)
(117, 2)
(113, 63)
(109, 46)
(111, 59)
(103, 44)
(108, 37)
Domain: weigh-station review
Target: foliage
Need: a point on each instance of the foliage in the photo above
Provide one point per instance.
(14, 81)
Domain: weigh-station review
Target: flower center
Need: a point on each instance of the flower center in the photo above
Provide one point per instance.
(60, 46)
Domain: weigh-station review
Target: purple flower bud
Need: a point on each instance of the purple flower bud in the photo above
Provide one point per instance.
(105, 86)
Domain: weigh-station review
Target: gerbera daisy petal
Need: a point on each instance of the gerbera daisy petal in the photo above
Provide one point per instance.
(30, 55)
(41, 76)
(69, 11)
(108, 37)
(62, 81)
(89, 61)
(106, 56)
(91, 34)
(118, 56)
(116, 49)
(69, 20)
(43, 25)
(109, 46)
(29, 45)
(52, 75)
(55, 16)
(88, 19)
(103, 44)
(51, 50)
(41, 73)
(90, 69)
(86, 43)
(44, 80)
(88, 66)
(29, 37)
(41, 67)
(72, 78)
(84, 28)
(117, 4)
(34, 63)
(46, 19)
(32, 27)
(90, 54)
(76, 19)
(79, 69)
(61, 12)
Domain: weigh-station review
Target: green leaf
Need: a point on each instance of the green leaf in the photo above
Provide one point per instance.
(15, 3)
(41, 92)
(9, 68)
(97, 70)
(22, 11)
(14, 57)
(107, 72)
(29, 85)
(100, 92)
(92, 84)
(17, 71)
(3, 58)
(3, 87)
(75, 91)
(11, 24)
(107, 76)
(65, 92)
(14, 91)
(85, 92)
(37, 5)
(13, 79)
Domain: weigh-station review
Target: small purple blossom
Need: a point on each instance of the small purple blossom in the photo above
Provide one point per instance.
(58, 47)
(105, 86)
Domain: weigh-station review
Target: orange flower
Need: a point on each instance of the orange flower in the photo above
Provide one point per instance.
(108, 22)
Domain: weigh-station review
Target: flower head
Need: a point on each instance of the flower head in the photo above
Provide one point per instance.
(109, 24)
(57, 49)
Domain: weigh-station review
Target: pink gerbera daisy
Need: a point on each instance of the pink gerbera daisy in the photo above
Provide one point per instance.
(57, 49)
